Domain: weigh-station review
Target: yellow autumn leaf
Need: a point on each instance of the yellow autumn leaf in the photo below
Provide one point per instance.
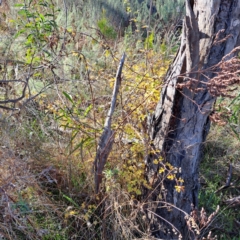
(171, 176)
(160, 159)
(74, 53)
(130, 168)
(161, 170)
(107, 53)
(86, 216)
(128, 9)
(70, 213)
(180, 180)
(133, 20)
(179, 188)
(155, 161)
(69, 29)
(170, 166)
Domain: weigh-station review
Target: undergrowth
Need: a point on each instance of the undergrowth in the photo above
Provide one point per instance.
(222, 151)
(68, 56)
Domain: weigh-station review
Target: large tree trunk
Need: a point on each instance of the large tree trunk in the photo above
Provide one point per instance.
(181, 120)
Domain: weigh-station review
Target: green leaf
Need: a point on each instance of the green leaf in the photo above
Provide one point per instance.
(148, 44)
(75, 133)
(19, 32)
(80, 145)
(47, 52)
(29, 25)
(49, 15)
(88, 109)
(42, 16)
(59, 117)
(68, 96)
(70, 200)
(36, 60)
(18, 5)
(22, 12)
(44, 4)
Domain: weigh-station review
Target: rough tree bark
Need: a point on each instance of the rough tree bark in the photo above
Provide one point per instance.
(180, 122)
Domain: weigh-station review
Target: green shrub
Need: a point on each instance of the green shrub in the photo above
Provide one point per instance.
(107, 30)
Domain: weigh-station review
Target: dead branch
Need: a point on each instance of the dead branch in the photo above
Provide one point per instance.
(228, 180)
(233, 202)
(106, 140)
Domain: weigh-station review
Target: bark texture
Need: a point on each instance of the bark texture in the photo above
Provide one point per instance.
(180, 122)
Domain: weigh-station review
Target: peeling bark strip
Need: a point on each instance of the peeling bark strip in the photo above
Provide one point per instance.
(106, 140)
(181, 120)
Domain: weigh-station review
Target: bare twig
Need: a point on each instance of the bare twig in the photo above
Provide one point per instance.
(228, 181)
(15, 100)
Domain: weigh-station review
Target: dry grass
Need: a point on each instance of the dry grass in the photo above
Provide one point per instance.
(41, 201)
(22, 200)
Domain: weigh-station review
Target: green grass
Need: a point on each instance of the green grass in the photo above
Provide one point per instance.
(221, 149)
